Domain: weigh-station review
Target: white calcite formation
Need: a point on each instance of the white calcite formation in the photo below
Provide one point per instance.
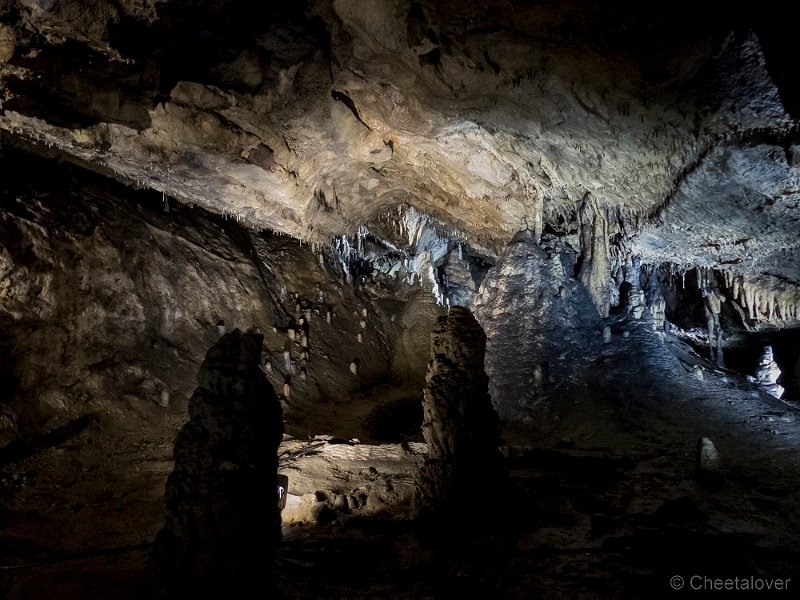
(767, 373)
(708, 465)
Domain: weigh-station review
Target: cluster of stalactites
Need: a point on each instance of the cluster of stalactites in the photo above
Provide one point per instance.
(762, 302)
(414, 225)
(425, 242)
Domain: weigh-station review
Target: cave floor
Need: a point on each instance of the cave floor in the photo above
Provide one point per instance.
(600, 502)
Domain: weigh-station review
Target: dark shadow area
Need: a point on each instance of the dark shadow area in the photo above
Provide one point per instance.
(20, 449)
(85, 87)
(396, 421)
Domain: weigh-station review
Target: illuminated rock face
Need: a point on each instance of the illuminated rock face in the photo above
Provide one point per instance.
(222, 517)
(616, 125)
(459, 425)
(538, 319)
(652, 129)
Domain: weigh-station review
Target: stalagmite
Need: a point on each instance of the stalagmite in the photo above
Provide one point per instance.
(712, 301)
(708, 465)
(767, 374)
(594, 272)
(222, 521)
(460, 428)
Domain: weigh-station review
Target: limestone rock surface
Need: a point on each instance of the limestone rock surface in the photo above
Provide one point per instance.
(460, 427)
(313, 118)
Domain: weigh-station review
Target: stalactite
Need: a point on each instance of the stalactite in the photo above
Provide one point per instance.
(761, 300)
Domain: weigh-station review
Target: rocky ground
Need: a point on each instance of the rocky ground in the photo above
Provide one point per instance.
(601, 501)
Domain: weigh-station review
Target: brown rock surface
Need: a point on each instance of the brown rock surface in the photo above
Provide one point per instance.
(459, 425)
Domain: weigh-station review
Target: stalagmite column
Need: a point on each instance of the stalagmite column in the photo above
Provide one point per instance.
(767, 374)
(594, 271)
(533, 312)
(460, 427)
(635, 301)
(222, 518)
(654, 297)
(712, 301)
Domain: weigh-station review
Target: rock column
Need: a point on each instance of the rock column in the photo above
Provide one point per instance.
(457, 481)
(595, 271)
(222, 516)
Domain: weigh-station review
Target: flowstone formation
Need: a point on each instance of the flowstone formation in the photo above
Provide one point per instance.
(537, 319)
(222, 515)
(460, 428)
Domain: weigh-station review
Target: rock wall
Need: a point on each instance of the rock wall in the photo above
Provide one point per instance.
(459, 425)
(222, 516)
(109, 299)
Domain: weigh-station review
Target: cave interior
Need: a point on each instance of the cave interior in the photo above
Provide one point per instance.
(503, 296)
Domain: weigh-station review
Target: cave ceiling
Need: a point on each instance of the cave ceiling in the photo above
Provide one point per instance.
(312, 118)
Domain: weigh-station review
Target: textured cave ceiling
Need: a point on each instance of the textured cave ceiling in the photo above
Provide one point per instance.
(313, 118)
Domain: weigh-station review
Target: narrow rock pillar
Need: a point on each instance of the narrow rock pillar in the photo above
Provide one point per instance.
(457, 481)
